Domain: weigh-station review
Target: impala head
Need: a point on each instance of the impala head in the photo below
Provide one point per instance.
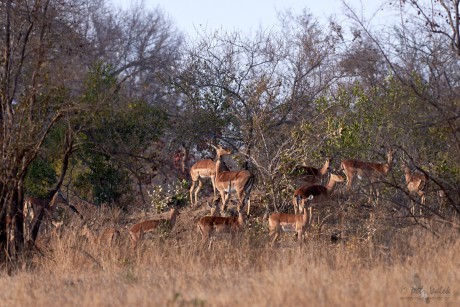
(303, 204)
(391, 155)
(214, 206)
(220, 151)
(404, 165)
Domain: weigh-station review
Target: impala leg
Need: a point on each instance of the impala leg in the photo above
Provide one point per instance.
(275, 237)
(274, 233)
(211, 240)
(412, 207)
(271, 233)
(300, 237)
(239, 195)
(422, 200)
(204, 238)
(377, 193)
(249, 206)
(295, 204)
(134, 238)
(349, 182)
(200, 185)
(191, 193)
(224, 200)
(213, 182)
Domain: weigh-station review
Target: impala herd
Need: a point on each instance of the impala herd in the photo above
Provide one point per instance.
(225, 182)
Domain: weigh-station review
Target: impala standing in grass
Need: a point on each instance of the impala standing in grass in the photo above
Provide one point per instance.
(228, 182)
(315, 194)
(137, 231)
(209, 226)
(285, 222)
(367, 170)
(417, 183)
(203, 169)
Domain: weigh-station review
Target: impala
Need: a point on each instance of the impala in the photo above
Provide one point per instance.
(289, 223)
(312, 175)
(107, 236)
(229, 182)
(36, 210)
(200, 170)
(214, 208)
(137, 231)
(417, 183)
(208, 226)
(369, 170)
(315, 194)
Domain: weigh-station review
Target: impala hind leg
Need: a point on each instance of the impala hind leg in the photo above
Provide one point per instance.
(213, 182)
(300, 237)
(200, 185)
(191, 193)
(275, 233)
(295, 204)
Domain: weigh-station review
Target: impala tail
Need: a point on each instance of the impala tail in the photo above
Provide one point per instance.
(247, 189)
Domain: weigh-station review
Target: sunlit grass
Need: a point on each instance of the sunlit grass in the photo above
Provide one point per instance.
(173, 270)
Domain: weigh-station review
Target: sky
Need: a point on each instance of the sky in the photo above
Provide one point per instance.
(245, 15)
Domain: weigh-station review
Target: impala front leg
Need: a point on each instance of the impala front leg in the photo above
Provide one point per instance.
(213, 181)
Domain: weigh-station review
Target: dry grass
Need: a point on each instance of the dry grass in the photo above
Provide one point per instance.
(172, 270)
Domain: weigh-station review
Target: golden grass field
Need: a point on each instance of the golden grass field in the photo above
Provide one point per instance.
(372, 264)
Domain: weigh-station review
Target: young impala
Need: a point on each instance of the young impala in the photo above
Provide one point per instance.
(315, 193)
(285, 222)
(228, 182)
(200, 170)
(137, 231)
(417, 183)
(368, 170)
(208, 226)
(311, 175)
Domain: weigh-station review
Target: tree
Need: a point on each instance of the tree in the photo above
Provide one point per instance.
(249, 91)
(55, 89)
(421, 88)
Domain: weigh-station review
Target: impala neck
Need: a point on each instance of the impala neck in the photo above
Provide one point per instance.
(325, 167)
(389, 164)
(172, 215)
(330, 185)
(219, 164)
(305, 214)
(407, 173)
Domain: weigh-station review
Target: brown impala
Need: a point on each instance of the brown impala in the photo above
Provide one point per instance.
(107, 236)
(417, 183)
(289, 223)
(38, 209)
(315, 193)
(311, 175)
(208, 226)
(137, 231)
(200, 170)
(367, 170)
(229, 182)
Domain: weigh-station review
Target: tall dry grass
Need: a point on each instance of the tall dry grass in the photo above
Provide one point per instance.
(173, 270)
